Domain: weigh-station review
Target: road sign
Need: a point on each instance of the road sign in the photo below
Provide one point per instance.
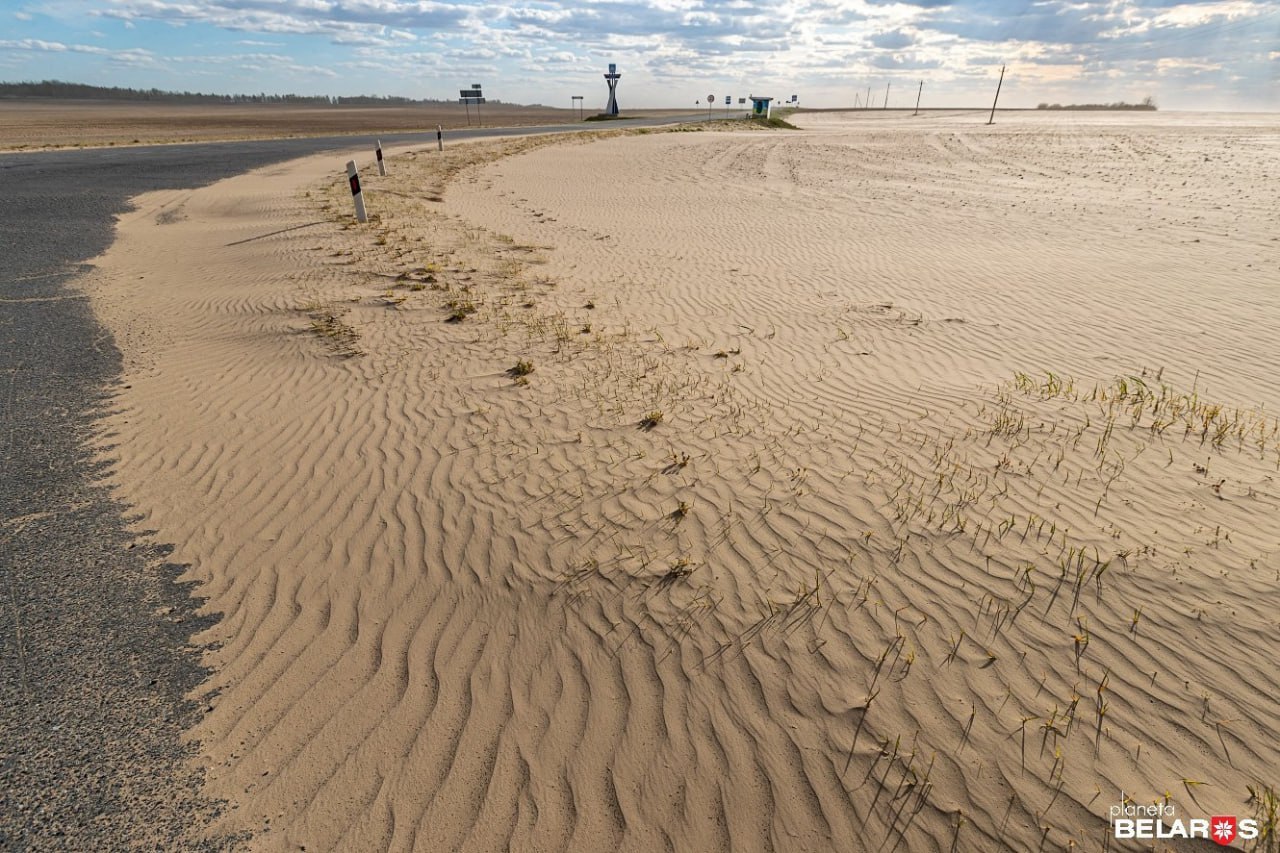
(467, 97)
(711, 99)
(728, 99)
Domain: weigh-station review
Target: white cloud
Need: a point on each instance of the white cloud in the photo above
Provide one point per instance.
(33, 44)
(135, 57)
(1165, 66)
(1196, 14)
(349, 19)
(827, 48)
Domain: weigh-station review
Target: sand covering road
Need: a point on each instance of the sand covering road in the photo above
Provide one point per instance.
(894, 484)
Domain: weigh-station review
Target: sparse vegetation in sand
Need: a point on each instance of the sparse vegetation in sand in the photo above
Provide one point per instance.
(326, 323)
(1041, 491)
(1016, 506)
(1265, 803)
(520, 371)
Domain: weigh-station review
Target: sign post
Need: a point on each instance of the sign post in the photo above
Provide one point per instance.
(382, 170)
(439, 137)
(472, 96)
(353, 178)
(576, 104)
(711, 101)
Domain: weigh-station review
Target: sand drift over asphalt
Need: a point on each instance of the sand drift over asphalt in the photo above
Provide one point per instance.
(894, 484)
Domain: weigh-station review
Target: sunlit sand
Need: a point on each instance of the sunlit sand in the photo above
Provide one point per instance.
(899, 483)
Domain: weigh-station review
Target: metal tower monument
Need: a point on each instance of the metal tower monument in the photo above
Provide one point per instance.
(612, 79)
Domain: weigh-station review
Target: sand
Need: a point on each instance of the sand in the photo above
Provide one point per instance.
(858, 488)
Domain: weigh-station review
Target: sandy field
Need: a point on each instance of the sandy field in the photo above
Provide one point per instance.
(894, 484)
(34, 123)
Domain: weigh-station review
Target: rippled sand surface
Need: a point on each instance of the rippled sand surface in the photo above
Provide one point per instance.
(893, 484)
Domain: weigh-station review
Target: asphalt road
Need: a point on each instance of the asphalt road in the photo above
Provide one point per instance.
(95, 632)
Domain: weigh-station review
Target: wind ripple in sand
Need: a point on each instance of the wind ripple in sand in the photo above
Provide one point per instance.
(465, 613)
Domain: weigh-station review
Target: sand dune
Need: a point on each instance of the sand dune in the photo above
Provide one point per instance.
(861, 488)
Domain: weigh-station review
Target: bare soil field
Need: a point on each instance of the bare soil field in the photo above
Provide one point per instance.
(36, 124)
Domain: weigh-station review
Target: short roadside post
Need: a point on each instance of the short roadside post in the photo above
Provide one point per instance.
(439, 137)
(382, 170)
(353, 178)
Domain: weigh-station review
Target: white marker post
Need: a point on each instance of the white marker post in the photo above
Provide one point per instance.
(353, 177)
(440, 137)
(382, 170)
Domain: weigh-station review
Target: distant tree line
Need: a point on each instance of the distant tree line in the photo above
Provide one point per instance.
(83, 91)
(1147, 103)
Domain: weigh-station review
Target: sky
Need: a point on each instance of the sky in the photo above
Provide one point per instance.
(1218, 55)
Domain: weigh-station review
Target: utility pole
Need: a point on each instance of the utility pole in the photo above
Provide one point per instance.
(992, 120)
(868, 97)
(857, 100)
(886, 95)
(919, 92)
